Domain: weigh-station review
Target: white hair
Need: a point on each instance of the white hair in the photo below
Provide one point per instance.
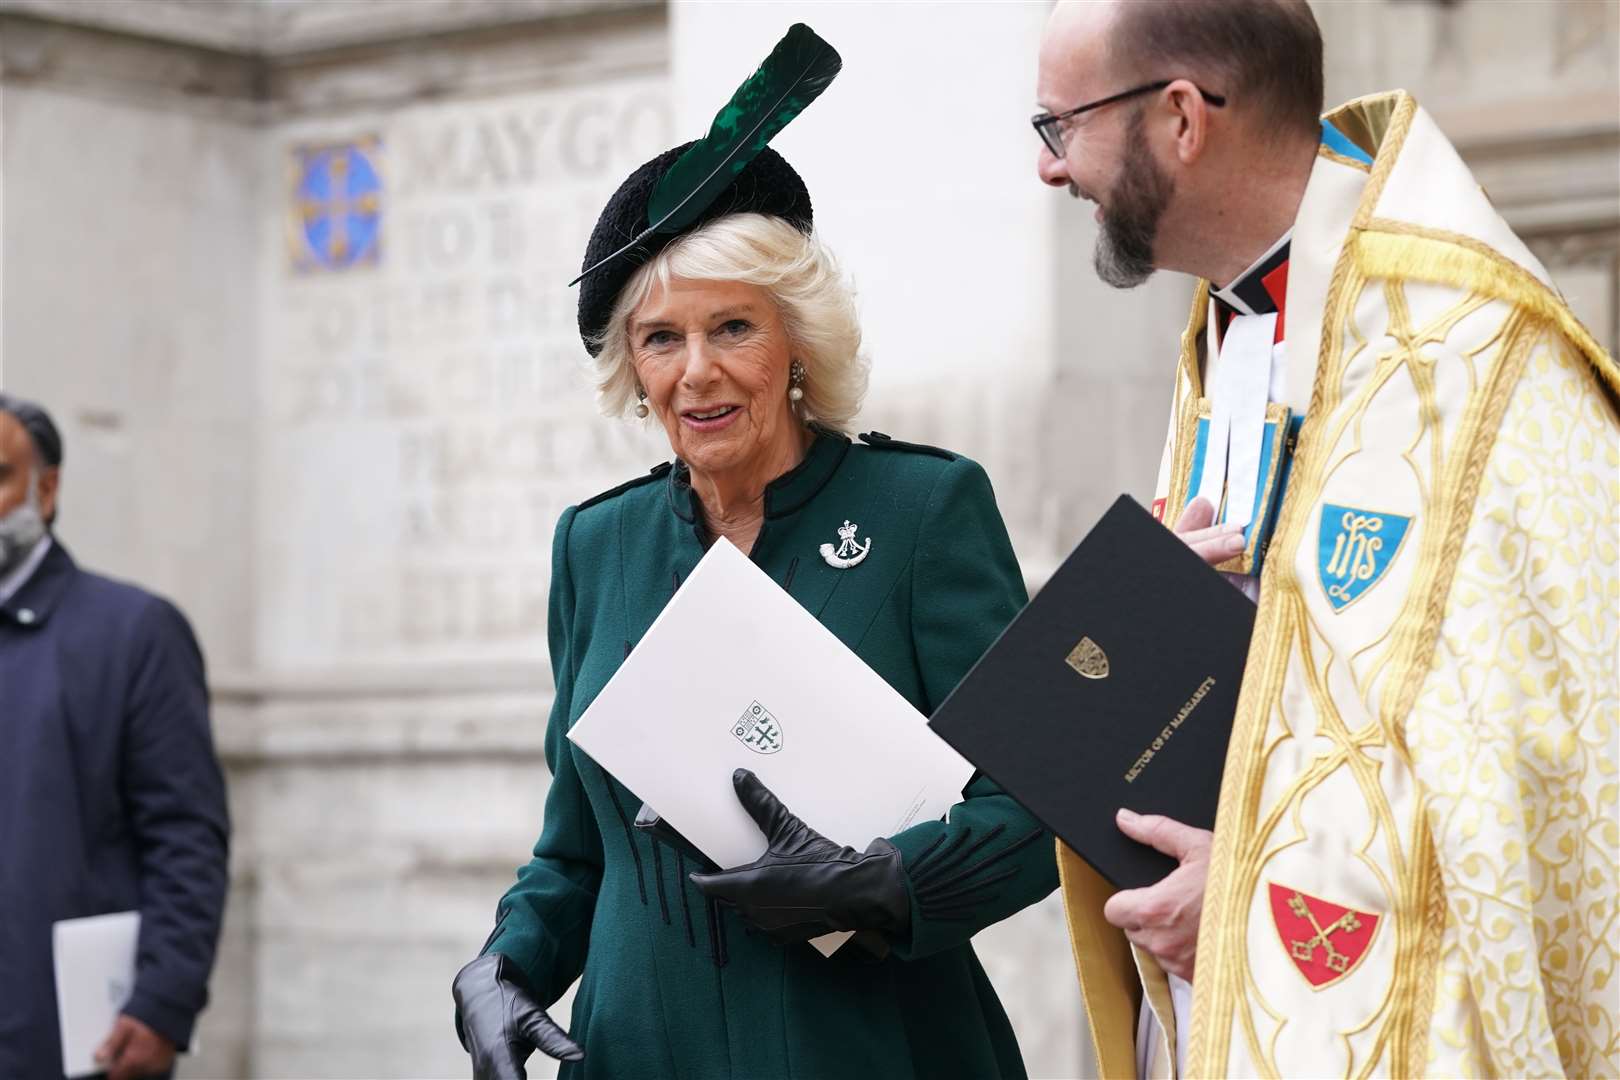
(815, 300)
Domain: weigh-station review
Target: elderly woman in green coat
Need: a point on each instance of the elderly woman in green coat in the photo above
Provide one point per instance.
(738, 336)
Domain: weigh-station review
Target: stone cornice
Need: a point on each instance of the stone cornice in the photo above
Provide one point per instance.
(489, 48)
(285, 28)
(229, 25)
(590, 48)
(1550, 180)
(417, 712)
(379, 682)
(99, 62)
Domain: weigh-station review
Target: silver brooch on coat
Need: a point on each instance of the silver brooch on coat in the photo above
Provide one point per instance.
(849, 552)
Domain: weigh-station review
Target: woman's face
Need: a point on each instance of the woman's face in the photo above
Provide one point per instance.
(713, 357)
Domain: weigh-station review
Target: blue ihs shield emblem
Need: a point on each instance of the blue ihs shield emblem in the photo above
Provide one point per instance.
(1354, 549)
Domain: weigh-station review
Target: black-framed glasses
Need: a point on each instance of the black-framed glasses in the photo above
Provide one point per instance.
(1046, 124)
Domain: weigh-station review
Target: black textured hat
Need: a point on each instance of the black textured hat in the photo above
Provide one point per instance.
(768, 185)
(730, 170)
(41, 429)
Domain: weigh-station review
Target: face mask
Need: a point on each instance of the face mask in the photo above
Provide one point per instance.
(20, 530)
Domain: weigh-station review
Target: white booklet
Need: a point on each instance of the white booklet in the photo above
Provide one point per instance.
(94, 959)
(734, 673)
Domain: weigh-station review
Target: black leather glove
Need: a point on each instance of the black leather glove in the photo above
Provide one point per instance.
(805, 885)
(501, 1023)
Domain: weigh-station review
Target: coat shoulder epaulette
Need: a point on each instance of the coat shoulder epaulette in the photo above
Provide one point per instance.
(879, 441)
(652, 474)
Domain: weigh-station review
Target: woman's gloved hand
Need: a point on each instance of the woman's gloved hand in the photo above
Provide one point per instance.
(805, 885)
(501, 1023)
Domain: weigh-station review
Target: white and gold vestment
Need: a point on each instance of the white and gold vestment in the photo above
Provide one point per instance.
(1415, 859)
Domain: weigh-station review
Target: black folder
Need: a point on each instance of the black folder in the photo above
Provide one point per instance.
(1115, 687)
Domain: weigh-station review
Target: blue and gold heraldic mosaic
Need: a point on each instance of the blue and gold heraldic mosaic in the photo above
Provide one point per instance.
(337, 206)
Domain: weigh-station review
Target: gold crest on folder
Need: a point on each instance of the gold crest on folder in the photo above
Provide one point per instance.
(1088, 659)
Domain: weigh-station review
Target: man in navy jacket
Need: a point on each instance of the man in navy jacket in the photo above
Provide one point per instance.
(111, 798)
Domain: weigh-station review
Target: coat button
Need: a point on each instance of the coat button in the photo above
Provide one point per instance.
(25, 615)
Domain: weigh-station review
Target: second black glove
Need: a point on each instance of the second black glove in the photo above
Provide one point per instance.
(500, 1022)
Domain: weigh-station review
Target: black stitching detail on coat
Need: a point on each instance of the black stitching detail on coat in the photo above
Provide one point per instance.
(946, 863)
(973, 896)
(658, 876)
(629, 837)
(966, 914)
(933, 875)
(922, 859)
(793, 568)
(924, 868)
(964, 858)
(944, 897)
(968, 909)
(686, 908)
(717, 934)
(937, 884)
(879, 441)
(652, 474)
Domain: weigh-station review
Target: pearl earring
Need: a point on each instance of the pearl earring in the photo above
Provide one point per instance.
(795, 377)
(641, 404)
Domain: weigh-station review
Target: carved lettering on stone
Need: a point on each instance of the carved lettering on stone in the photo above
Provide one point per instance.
(444, 391)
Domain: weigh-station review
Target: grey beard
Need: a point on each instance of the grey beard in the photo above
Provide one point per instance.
(20, 530)
(1124, 255)
(1123, 259)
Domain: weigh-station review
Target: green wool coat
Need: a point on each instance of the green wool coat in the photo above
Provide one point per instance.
(673, 986)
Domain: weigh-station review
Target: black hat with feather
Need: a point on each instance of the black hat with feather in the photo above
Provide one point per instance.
(730, 170)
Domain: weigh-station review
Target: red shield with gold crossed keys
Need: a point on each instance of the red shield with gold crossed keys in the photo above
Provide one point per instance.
(1325, 941)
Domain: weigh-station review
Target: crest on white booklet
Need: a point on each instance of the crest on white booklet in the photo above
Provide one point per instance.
(758, 730)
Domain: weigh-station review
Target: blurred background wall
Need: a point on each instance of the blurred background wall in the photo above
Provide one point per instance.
(291, 275)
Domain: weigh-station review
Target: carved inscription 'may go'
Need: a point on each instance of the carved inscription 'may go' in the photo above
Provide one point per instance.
(520, 146)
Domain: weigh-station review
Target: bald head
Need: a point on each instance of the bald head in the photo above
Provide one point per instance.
(1264, 56)
(1160, 110)
(1076, 34)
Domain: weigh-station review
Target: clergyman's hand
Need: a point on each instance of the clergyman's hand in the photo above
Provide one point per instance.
(1163, 918)
(1212, 543)
(133, 1050)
